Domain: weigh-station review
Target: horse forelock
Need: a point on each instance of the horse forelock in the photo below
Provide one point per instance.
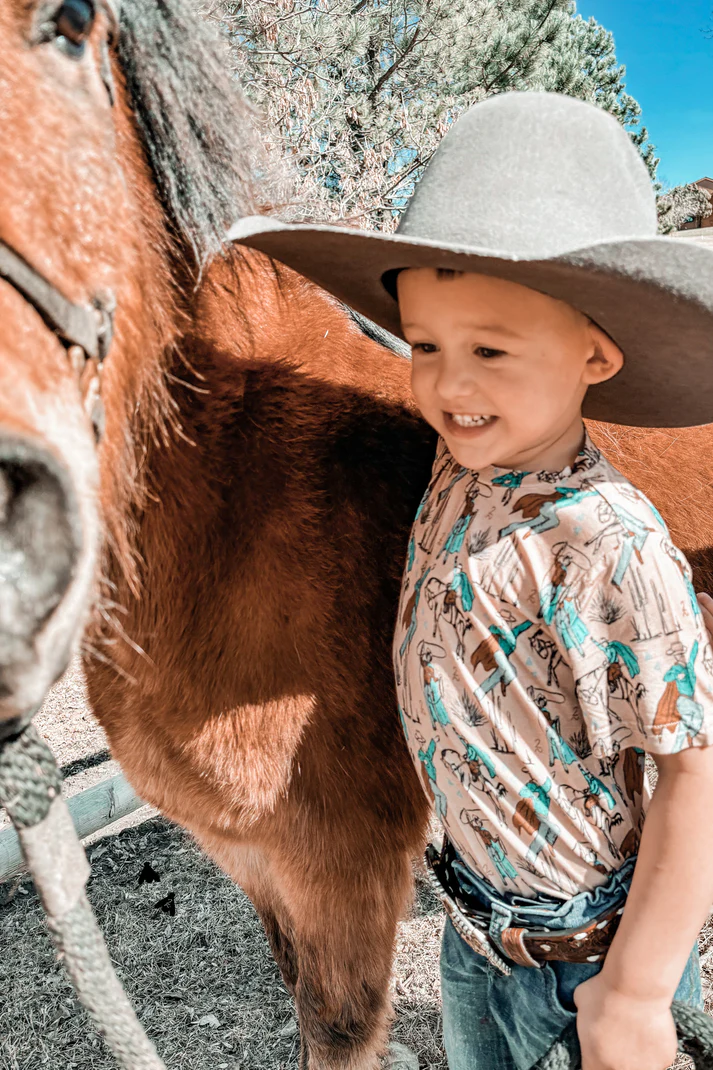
(196, 126)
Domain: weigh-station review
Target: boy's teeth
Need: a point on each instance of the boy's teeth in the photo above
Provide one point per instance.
(469, 421)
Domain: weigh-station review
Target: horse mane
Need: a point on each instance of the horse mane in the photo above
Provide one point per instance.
(196, 126)
(379, 334)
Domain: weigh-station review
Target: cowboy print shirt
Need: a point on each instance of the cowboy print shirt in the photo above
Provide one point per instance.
(548, 635)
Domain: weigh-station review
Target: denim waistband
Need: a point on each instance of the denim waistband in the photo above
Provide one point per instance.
(545, 912)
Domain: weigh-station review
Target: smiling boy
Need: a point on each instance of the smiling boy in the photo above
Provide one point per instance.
(548, 633)
(501, 372)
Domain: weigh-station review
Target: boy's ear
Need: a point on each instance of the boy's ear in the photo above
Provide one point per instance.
(606, 358)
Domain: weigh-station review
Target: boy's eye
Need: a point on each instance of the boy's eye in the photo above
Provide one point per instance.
(488, 354)
(423, 347)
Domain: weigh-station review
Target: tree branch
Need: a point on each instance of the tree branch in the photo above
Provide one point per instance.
(418, 162)
(397, 63)
(513, 61)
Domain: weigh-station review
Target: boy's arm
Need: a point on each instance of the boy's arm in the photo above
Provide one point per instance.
(623, 1013)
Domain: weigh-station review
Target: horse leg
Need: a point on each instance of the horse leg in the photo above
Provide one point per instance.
(249, 867)
(437, 614)
(332, 932)
(461, 638)
(344, 913)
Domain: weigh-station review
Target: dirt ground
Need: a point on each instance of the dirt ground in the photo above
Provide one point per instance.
(203, 981)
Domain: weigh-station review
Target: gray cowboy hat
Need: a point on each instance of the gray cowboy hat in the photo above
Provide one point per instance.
(548, 192)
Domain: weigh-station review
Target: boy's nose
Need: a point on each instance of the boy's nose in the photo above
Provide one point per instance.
(456, 382)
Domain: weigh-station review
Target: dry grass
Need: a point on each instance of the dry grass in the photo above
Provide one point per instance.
(203, 982)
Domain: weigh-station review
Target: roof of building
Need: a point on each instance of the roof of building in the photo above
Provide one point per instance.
(700, 234)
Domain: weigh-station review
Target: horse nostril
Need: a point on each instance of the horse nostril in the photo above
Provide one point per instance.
(38, 544)
(5, 496)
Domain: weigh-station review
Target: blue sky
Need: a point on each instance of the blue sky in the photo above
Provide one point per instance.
(669, 70)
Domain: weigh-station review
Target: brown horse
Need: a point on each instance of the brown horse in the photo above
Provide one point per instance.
(259, 469)
(258, 472)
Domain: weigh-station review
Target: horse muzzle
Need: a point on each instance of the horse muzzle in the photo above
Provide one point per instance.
(48, 541)
(40, 545)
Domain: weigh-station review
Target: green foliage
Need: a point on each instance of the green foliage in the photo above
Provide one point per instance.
(592, 48)
(357, 94)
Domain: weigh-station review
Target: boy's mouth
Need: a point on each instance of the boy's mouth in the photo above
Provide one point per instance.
(464, 424)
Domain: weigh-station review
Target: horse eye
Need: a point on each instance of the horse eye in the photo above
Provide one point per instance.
(73, 24)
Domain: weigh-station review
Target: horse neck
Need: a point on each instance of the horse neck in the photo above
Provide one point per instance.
(139, 408)
(176, 387)
(177, 370)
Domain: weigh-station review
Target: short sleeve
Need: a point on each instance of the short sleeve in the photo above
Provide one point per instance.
(640, 655)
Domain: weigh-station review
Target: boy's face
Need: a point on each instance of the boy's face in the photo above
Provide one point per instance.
(499, 370)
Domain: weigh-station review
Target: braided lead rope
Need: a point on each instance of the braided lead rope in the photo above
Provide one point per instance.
(30, 789)
(695, 1038)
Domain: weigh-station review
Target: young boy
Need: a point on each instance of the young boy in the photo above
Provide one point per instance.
(549, 634)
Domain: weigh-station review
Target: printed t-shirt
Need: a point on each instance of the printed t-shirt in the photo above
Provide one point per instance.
(548, 635)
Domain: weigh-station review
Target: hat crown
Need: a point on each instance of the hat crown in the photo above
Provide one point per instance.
(533, 175)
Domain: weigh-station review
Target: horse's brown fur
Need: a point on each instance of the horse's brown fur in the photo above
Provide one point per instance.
(261, 715)
(259, 472)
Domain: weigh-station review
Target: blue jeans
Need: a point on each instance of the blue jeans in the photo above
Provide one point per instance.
(493, 1022)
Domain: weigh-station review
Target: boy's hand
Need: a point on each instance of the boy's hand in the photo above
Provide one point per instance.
(619, 1032)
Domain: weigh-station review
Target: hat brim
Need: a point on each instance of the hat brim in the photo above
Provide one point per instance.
(653, 296)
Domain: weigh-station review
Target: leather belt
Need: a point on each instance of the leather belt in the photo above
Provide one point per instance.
(522, 946)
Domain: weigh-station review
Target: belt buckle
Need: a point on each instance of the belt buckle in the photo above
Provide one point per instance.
(478, 940)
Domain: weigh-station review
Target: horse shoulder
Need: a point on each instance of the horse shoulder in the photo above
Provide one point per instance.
(277, 534)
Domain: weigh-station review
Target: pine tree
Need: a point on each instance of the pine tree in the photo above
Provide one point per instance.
(357, 94)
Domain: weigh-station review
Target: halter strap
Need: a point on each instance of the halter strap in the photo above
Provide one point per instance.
(85, 330)
(90, 328)
(114, 7)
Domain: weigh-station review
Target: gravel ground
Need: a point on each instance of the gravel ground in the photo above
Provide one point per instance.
(74, 735)
(202, 980)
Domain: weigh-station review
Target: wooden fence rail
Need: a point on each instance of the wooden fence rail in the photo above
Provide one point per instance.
(92, 810)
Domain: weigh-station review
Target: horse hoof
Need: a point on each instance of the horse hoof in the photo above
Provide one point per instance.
(399, 1057)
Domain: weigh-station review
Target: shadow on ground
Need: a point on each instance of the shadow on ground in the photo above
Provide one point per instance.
(202, 980)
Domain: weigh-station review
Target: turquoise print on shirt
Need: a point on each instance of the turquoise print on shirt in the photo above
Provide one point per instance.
(677, 709)
(426, 758)
(540, 510)
(550, 638)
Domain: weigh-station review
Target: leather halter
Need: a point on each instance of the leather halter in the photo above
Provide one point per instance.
(85, 332)
(75, 325)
